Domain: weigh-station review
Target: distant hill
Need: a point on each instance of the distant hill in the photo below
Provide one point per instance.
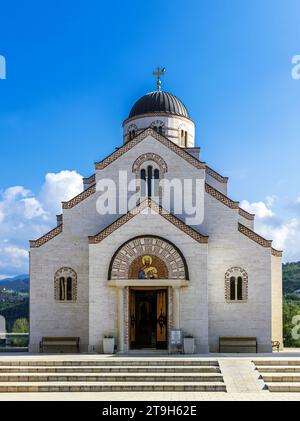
(291, 277)
(19, 283)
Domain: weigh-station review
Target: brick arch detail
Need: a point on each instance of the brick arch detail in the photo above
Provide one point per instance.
(163, 249)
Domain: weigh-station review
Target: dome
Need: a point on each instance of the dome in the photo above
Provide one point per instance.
(159, 102)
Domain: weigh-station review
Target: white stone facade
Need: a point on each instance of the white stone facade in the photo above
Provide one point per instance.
(86, 242)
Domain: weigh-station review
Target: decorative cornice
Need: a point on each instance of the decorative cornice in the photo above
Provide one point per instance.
(169, 115)
(45, 238)
(221, 197)
(216, 175)
(89, 180)
(79, 198)
(253, 236)
(161, 138)
(246, 215)
(148, 203)
(276, 253)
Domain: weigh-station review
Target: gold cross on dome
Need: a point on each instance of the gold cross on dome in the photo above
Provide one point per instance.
(160, 72)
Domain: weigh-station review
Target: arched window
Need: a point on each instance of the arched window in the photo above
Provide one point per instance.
(184, 138)
(149, 181)
(149, 169)
(65, 285)
(236, 285)
(132, 132)
(158, 126)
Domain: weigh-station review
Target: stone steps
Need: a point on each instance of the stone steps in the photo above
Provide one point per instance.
(279, 369)
(276, 362)
(112, 377)
(108, 362)
(284, 387)
(32, 387)
(280, 375)
(45, 374)
(109, 369)
(277, 377)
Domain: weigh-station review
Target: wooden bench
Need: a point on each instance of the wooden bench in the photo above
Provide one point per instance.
(60, 344)
(232, 344)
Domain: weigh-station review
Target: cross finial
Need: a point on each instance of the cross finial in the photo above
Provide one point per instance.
(160, 72)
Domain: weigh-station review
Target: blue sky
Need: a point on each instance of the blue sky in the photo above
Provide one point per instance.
(74, 69)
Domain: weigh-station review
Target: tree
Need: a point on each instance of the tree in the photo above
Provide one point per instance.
(20, 326)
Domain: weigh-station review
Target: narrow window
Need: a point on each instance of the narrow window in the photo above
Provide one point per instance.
(156, 183)
(143, 183)
(185, 139)
(69, 289)
(160, 130)
(239, 288)
(232, 288)
(62, 295)
(149, 184)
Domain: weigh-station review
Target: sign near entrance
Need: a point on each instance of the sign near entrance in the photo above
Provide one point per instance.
(175, 341)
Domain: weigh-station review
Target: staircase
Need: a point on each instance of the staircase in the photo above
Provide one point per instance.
(280, 375)
(110, 375)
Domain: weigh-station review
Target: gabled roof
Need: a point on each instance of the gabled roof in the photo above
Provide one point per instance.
(148, 203)
(258, 239)
(139, 138)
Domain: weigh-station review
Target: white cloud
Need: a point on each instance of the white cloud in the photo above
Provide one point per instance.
(60, 187)
(285, 234)
(25, 216)
(261, 209)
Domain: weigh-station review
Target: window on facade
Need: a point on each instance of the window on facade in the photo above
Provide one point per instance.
(158, 126)
(65, 285)
(131, 134)
(184, 138)
(65, 288)
(236, 284)
(149, 182)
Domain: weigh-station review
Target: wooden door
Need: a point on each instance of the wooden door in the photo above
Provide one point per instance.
(132, 316)
(162, 320)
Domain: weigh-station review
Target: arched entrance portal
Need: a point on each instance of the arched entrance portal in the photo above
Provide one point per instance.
(148, 271)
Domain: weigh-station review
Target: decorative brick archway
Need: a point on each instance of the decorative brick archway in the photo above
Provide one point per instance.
(150, 157)
(148, 245)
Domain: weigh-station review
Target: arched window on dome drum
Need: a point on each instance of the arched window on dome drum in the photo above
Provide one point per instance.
(183, 138)
(131, 134)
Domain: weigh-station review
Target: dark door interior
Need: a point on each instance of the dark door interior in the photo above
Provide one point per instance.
(148, 319)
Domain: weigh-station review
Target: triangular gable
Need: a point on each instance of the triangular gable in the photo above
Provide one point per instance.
(148, 203)
(139, 138)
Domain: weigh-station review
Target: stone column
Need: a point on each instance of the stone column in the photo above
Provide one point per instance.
(176, 307)
(120, 319)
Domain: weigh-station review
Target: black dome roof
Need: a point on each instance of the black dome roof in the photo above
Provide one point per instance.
(159, 102)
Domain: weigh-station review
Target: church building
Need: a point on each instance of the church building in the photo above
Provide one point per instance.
(129, 258)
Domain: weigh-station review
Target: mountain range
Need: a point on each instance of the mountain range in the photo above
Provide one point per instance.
(19, 283)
